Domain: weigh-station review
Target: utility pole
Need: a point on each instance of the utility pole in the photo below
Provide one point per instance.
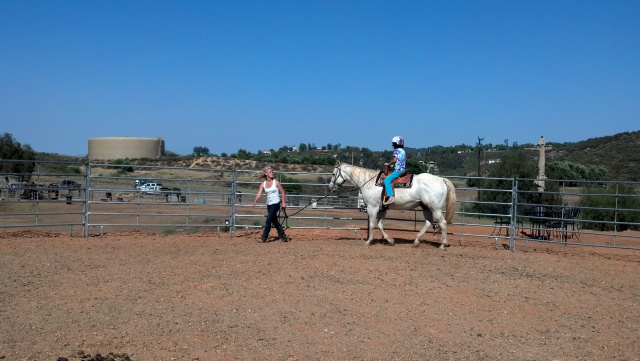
(479, 156)
(479, 165)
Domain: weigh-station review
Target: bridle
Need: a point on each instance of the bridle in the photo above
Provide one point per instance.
(335, 179)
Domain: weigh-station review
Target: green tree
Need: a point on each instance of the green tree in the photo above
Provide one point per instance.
(200, 151)
(615, 207)
(572, 171)
(290, 184)
(514, 165)
(23, 155)
(414, 167)
(243, 154)
(123, 165)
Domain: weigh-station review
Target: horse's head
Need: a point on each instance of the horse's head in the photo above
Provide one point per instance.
(337, 179)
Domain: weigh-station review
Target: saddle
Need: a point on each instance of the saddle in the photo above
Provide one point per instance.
(405, 180)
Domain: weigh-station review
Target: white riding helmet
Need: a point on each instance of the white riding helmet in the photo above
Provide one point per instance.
(398, 140)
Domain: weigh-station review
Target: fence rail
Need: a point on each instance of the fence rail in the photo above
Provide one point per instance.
(92, 198)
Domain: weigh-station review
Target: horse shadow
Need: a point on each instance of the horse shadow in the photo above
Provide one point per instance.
(399, 241)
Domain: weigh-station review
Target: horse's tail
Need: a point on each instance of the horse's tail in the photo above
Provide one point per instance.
(452, 200)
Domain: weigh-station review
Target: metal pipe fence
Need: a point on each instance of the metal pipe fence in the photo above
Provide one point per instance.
(93, 198)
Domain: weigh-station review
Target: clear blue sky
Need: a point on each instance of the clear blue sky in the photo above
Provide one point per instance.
(262, 74)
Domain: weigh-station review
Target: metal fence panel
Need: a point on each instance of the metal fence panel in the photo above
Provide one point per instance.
(92, 198)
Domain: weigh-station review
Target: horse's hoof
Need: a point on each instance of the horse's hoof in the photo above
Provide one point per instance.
(416, 244)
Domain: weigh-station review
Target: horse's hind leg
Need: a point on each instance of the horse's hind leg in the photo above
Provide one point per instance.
(443, 229)
(427, 223)
(424, 229)
(436, 218)
(443, 226)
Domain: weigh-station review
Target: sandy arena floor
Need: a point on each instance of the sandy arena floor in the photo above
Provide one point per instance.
(322, 296)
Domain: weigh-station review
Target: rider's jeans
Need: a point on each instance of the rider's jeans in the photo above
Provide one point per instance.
(389, 179)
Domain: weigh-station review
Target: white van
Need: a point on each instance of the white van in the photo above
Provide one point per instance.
(141, 182)
(151, 188)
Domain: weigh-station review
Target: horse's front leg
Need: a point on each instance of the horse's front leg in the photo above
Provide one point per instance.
(372, 222)
(381, 216)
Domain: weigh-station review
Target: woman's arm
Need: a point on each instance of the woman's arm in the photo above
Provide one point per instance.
(257, 195)
(283, 204)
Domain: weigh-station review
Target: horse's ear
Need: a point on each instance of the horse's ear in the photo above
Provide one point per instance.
(337, 162)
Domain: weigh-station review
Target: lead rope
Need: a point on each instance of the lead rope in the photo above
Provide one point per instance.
(283, 218)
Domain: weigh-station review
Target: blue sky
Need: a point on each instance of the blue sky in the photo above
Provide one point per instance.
(262, 74)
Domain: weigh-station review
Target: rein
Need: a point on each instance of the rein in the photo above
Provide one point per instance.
(283, 218)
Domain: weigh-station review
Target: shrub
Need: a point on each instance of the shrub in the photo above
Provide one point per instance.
(75, 169)
(618, 207)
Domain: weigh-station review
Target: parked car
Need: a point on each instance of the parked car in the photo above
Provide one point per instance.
(69, 184)
(152, 188)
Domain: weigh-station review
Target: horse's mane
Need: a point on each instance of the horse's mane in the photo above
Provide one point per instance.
(363, 175)
(363, 171)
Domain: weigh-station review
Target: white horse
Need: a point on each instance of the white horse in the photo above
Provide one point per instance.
(432, 193)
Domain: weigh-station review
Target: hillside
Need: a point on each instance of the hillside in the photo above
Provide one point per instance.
(617, 154)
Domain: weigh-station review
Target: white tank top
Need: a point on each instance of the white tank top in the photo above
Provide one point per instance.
(273, 193)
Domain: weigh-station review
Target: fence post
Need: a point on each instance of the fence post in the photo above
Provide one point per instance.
(234, 195)
(514, 213)
(85, 207)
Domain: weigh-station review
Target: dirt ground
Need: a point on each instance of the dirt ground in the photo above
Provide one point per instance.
(322, 296)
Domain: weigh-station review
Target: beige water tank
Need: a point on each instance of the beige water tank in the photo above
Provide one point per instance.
(125, 147)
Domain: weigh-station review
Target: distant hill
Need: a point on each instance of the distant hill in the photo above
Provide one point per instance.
(618, 154)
